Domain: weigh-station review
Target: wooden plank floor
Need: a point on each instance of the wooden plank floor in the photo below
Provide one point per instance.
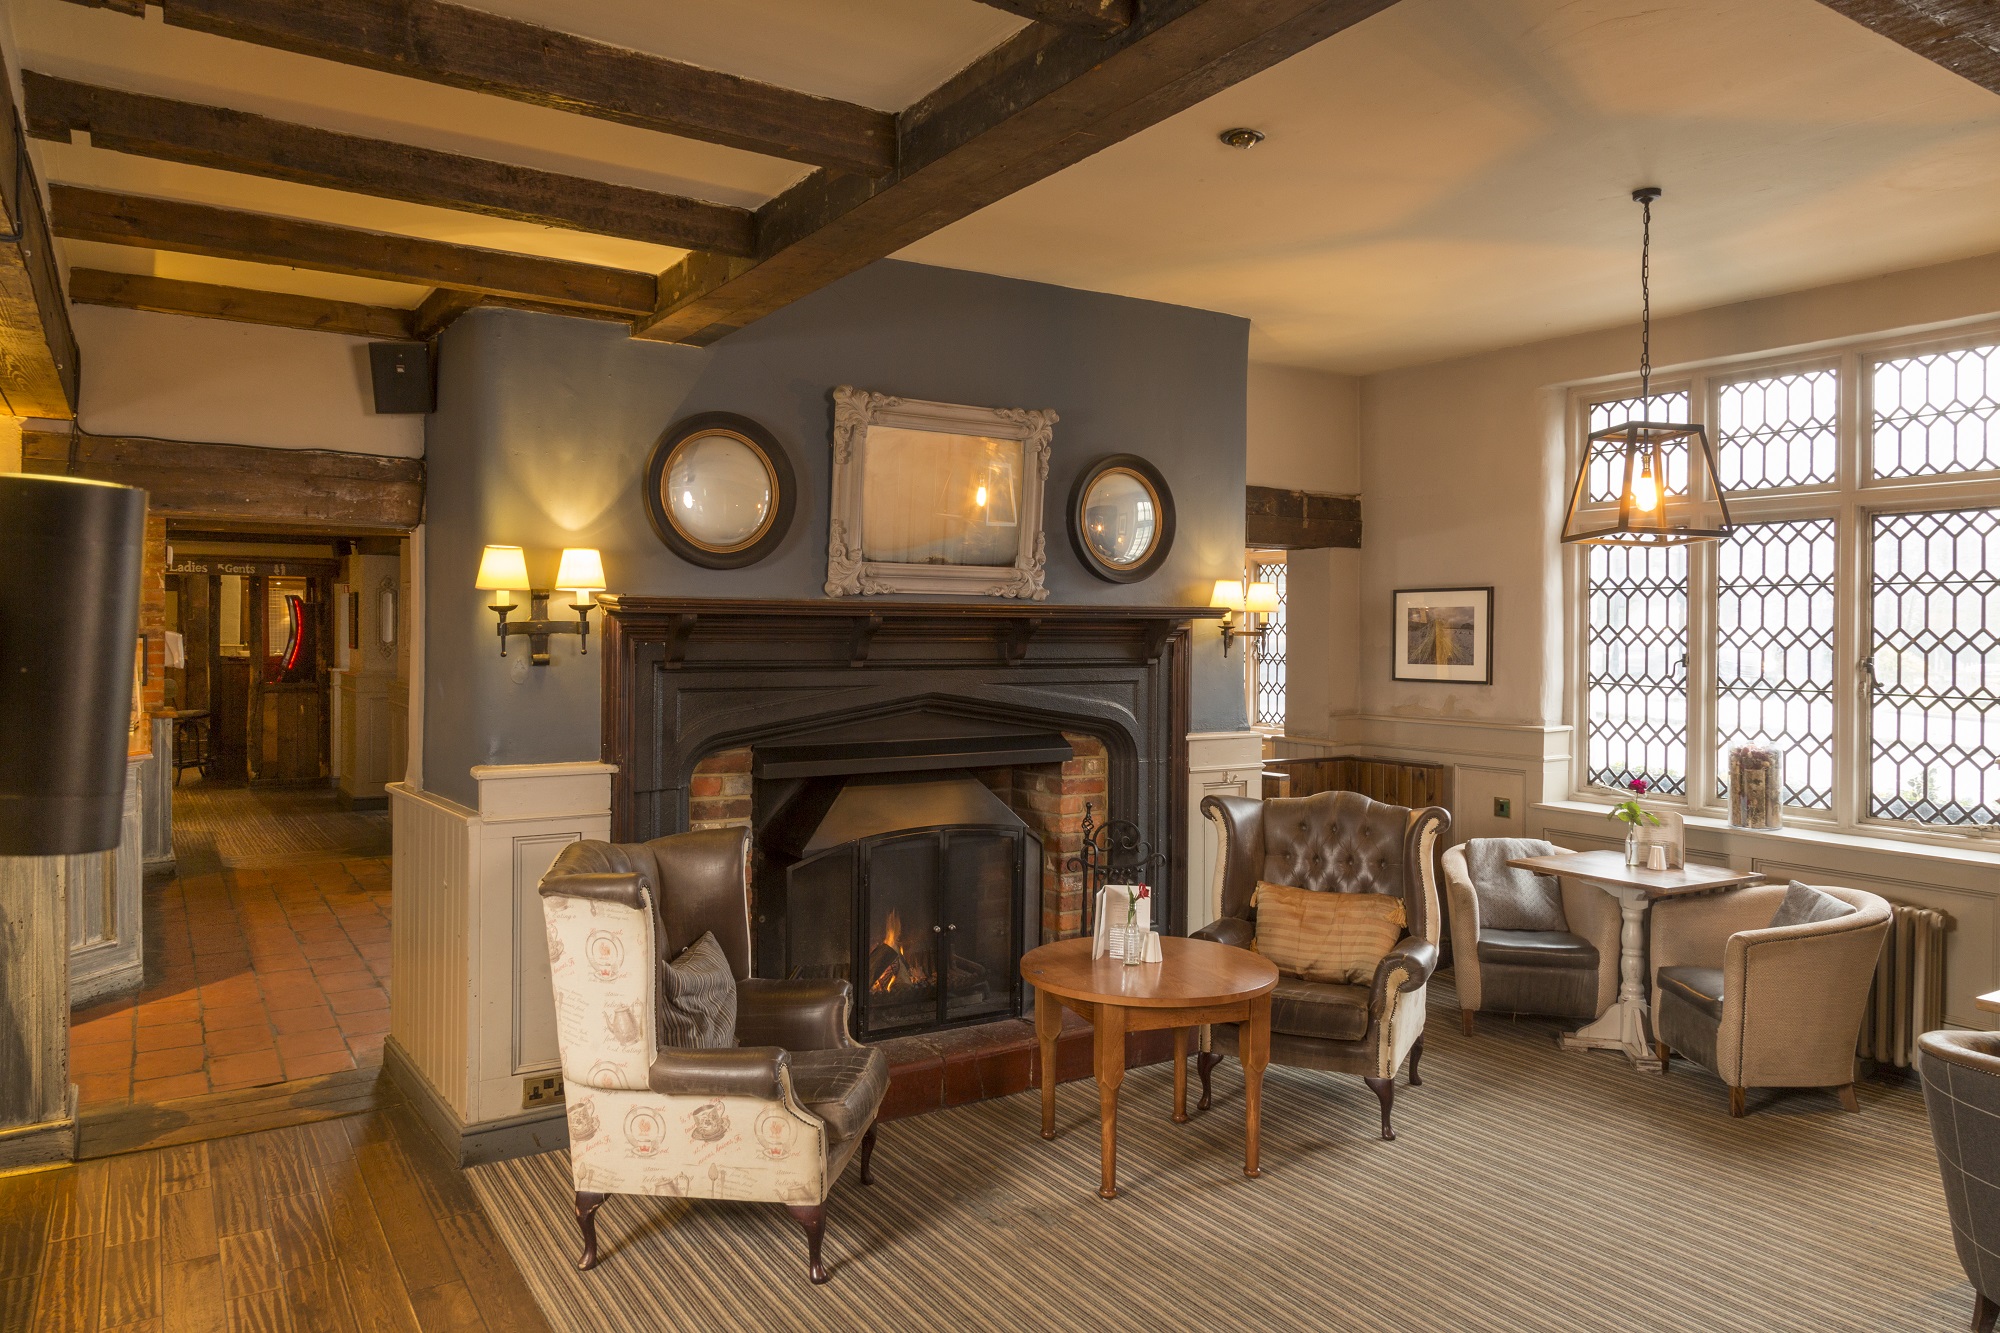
(347, 1226)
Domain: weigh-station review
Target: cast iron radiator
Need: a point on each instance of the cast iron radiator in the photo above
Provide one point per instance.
(1908, 998)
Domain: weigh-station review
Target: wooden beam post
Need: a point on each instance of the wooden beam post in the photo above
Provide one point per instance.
(199, 229)
(173, 296)
(315, 488)
(209, 136)
(1041, 101)
(1300, 520)
(1093, 15)
(486, 53)
(1961, 35)
(38, 352)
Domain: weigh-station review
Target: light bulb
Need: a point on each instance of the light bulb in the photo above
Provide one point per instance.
(687, 499)
(979, 497)
(1646, 492)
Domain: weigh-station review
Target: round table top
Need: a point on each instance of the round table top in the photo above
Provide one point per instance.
(1190, 973)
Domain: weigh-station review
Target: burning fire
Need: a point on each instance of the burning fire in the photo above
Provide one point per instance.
(891, 967)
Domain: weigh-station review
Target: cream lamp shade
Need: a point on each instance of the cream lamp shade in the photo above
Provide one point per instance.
(1262, 599)
(1228, 595)
(502, 570)
(581, 573)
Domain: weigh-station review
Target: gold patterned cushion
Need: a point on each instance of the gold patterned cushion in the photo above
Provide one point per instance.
(1332, 937)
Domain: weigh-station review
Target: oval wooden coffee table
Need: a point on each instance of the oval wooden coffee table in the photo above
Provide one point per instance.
(1196, 981)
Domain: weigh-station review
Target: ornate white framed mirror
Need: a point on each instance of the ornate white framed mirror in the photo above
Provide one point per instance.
(936, 497)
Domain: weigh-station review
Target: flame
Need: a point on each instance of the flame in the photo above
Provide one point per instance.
(903, 970)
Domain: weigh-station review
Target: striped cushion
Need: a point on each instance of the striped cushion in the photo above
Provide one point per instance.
(1332, 937)
(698, 998)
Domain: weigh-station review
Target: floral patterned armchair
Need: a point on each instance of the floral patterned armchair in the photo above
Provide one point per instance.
(775, 1118)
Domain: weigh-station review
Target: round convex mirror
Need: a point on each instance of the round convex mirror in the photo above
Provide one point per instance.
(1121, 518)
(719, 490)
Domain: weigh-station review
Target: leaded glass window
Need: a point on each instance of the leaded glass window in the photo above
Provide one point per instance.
(1774, 650)
(1270, 683)
(1935, 721)
(1937, 413)
(1780, 430)
(1638, 667)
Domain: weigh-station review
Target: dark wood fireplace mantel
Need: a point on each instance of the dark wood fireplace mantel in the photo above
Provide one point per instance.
(686, 677)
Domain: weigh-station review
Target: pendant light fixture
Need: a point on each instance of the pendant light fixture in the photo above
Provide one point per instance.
(1635, 454)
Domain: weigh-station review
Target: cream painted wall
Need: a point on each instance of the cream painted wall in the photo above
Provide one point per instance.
(1463, 468)
(1304, 433)
(216, 382)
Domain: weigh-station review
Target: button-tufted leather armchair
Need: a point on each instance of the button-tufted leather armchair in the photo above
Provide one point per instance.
(1961, 1073)
(774, 1119)
(1333, 842)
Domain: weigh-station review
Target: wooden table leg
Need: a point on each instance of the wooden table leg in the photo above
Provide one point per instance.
(1180, 1075)
(1048, 1026)
(1109, 1049)
(1253, 1052)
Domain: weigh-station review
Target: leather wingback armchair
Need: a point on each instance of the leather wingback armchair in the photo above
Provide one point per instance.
(1763, 1007)
(1571, 973)
(774, 1119)
(1334, 842)
(1961, 1074)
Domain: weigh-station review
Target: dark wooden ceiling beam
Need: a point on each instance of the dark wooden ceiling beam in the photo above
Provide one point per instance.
(1043, 100)
(1299, 520)
(1095, 15)
(38, 352)
(293, 487)
(260, 238)
(174, 296)
(1961, 35)
(486, 53)
(208, 136)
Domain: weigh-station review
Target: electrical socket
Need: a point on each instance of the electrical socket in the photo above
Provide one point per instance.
(1503, 808)
(543, 1091)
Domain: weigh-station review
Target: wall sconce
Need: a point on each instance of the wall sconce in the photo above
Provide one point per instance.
(1258, 602)
(503, 571)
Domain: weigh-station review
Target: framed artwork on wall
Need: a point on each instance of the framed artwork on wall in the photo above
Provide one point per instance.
(1442, 634)
(719, 490)
(936, 498)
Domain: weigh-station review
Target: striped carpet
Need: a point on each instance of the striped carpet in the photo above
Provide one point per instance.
(1528, 1189)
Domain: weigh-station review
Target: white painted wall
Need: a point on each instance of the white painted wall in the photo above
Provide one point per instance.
(212, 381)
(1304, 434)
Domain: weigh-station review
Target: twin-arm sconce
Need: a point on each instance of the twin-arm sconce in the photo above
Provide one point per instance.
(1257, 601)
(503, 571)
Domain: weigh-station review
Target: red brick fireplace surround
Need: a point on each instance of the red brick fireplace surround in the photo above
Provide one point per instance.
(693, 688)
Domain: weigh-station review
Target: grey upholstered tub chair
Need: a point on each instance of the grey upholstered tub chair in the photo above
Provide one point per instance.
(1961, 1073)
(646, 940)
(1527, 944)
(1763, 1005)
(1334, 842)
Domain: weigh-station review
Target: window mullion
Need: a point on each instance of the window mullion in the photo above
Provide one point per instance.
(1852, 597)
(1701, 676)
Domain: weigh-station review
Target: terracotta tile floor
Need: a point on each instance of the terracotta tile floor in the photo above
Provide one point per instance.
(253, 976)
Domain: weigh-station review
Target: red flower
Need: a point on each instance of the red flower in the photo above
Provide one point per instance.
(1639, 785)
(1145, 892)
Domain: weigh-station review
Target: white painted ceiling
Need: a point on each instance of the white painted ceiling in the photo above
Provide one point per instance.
(1452, 175)
(1447, 176)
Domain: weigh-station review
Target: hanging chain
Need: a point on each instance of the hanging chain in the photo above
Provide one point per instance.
(1646, 302)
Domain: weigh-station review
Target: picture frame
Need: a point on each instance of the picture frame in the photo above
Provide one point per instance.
(936, 498)
(719, 490)
(1442, 635)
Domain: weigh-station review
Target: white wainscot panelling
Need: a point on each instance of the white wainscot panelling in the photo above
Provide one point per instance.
(1220, 763)
(478, 1017)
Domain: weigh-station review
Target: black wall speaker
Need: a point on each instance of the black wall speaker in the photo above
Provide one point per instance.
(69, 623)
(402, 375)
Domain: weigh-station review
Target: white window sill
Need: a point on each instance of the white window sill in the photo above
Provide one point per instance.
(1967, 851)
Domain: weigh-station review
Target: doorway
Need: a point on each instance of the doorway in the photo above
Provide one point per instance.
(267, 949)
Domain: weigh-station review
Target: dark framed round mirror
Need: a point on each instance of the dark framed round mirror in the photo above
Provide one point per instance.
(1121, 518)
(719, 490)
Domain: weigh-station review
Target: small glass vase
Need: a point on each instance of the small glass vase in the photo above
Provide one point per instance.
(1135, 942)
(1632, 856)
